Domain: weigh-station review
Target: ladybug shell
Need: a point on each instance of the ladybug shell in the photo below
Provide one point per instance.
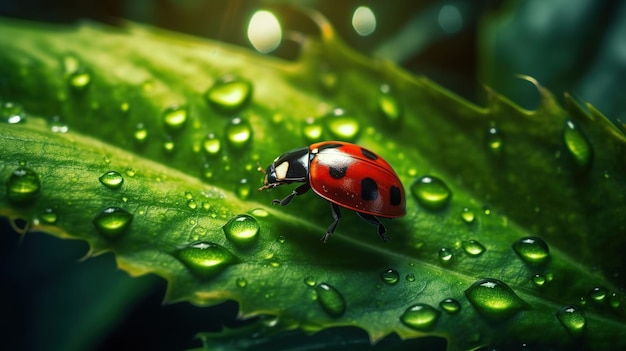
(355, 178)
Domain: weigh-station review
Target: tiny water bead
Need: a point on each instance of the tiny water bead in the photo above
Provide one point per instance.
(445, 254)
(539, 280)
(141, 133)
(331, 300)
(205, 259)
(310, 281)
(112, 221)
(212, 144)
(242, 230)
(450, 305)
(494, 299)
(243, 189)
(112, 179)
(410, 277)
(390, 276)
(431, 192)
(175, 117)
(420, 316)
(281, 239)
(312, 130)
(598, 294)
(259, 213)
(48, 216)
(577, 144)
(532, 250)
(11, 113)
(389, 104)
(229, 94)
(468, 216)
(23, 185)
(342, 126)
(241, 282)
(238, 132)
(473, 248)
(79, 79)
(57, 124)
(573, 319)
(494, 140)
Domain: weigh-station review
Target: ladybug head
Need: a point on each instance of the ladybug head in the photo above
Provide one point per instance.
(270, 180)
(290, 167)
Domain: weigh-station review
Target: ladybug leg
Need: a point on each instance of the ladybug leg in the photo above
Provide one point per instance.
(374, 221)
(334, 210)
(297, 191)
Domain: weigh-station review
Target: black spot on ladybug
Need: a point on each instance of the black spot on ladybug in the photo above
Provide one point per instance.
(337, 172)
(369, 154)
(369, 189)
(395, 196)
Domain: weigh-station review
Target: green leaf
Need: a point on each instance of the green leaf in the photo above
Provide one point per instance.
(141, 102)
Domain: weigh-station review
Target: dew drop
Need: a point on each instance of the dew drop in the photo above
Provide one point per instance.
(168, 144)
(57, 125)
(573, 319)
(79, 79)
(532, 250)
(494, 140)
(112, 221)
(140, 134)
(420, 317)
(212, 144)
(242, 230)
(205, 259)
(539, 280)
(445, 255)
(598, 294)
(431, 192)
(238, 132)
(450, 305)
(280, 239)
(390, 276)
(229, 94)
(342, 126)
(468, 216)
(23, 185)
(175, 117)
(312, 130)
(389, 105)
(243, 189)
(310, 281)
(241, 282)
(112, 180)
(11, 113)
(615, 300)
(259, 212)
(331, 300)
(494, 299)
(410, 277)
(473, 248)
(48, 216)
(577, 144)
(192, 204)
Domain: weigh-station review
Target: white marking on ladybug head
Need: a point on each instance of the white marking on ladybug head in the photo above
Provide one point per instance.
(281, 170)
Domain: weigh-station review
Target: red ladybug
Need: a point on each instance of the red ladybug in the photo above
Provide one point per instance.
(346, 175)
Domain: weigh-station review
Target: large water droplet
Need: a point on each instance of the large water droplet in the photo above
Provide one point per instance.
(342, 126)
(312, 130)
(229, 94)
(420, 317)
(473, 248)
(242, 230)
(112, 179)
(112, 221)
(23, 185)
(431, 192)
(468, 216)
(238, 132)
(450, 305)
(598, 294)
(573, 319)
(175, 117)
(532, 250)
(445, 255)
(389, 105)
(11, 113)
(577, 144)
(205, 259)
(212, 144)
(390, 276)
(494, 299)
(331, 300)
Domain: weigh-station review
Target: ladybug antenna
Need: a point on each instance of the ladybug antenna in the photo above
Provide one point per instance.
(259, 168)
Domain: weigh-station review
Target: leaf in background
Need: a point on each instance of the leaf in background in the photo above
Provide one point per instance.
(156, 108)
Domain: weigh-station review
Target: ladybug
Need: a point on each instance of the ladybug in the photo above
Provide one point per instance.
(346, 175)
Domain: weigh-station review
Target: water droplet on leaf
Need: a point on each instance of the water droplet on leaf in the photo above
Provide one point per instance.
(473, 248)
(573, 319)
(23, 185)
(494, 140)
(532, 250)
(431, 192)
(57, 125)
(389, 105)
(205, 259)
(598, 294)
(242, 282)
(450, 305)
(238, 133)
(494, 299)
(112, 221)
(175, 117)
(141, 133)
(242, 230)
(410, 277)
(331, 300)
(229, 94)
(312, 130)
(390, 276)
(468, 216)
(11, 113)
(243, 189)
(112, 180)
(48, 216)
(79, 79)
(342, 126)
(310, 281)
(212, 144)
(445, 254)
(577, 144)
(420, 317)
